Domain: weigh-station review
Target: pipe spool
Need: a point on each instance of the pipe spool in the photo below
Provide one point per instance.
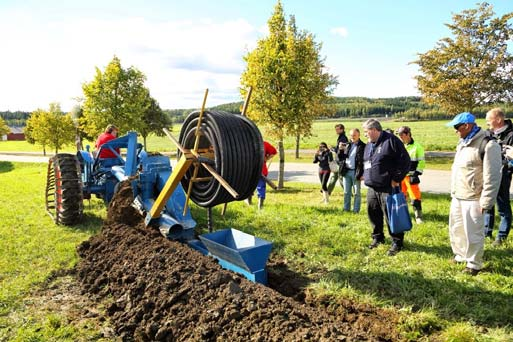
(236, 152)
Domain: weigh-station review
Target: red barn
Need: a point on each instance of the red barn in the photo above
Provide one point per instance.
(16, 134)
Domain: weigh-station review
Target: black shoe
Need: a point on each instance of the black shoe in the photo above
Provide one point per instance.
(375, 243)
(497, 242)
(471, 271)
(394, 249)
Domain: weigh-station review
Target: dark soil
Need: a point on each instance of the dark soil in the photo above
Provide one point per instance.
(162, 290)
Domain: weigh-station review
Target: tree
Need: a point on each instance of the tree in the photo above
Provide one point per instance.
(116, 96)
(310, 85)
(4, 129)
(35, 127)
(288, 80)
(154, 120)
(50, 128)
(474, 67)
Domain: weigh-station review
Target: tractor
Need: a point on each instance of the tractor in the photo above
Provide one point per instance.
(220, 157)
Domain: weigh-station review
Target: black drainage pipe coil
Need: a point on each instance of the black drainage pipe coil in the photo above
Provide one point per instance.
(236, 153)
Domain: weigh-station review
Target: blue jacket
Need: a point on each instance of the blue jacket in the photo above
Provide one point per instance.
(384, 161)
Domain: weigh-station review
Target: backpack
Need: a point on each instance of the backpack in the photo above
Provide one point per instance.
(485, 141)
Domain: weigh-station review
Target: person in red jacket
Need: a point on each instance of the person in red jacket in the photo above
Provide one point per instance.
(269, 152)
(111, 132)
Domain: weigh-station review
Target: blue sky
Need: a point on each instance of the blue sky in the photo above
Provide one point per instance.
(50, 48)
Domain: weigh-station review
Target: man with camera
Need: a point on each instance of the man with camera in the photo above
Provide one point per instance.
(410, 183)
(351, 169)
(502, 130)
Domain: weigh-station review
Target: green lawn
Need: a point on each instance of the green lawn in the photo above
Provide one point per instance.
(433, 135)
(32, 247)
(434, 297)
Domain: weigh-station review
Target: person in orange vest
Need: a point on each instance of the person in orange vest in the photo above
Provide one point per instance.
(410, 184)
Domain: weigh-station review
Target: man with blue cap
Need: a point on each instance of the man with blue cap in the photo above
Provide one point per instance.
(475, 181)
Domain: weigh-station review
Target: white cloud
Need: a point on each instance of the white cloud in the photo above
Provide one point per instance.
(339, 31)
(46, 62)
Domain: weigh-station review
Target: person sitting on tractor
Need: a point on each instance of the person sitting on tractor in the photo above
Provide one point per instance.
(111, 132)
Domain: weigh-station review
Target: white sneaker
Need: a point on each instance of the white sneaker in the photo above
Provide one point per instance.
(419, 220)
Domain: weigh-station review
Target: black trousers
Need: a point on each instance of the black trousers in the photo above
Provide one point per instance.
(324, 177)
(377, 210)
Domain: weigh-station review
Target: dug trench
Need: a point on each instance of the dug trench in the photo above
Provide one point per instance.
(159, 290)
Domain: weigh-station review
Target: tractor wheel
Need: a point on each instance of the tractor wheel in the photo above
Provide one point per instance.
(64, 189)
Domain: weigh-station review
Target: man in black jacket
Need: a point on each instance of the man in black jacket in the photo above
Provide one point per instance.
(351, 169)
(502, 130)
(386, 162)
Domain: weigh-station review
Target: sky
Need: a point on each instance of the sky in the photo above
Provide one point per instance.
(49, 49)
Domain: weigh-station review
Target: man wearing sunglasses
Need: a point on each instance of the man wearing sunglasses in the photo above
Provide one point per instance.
(475, 183)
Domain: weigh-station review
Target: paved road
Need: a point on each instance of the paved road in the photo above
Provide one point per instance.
(433, 181)
(23, 158)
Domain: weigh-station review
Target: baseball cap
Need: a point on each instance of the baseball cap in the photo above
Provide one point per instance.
(403, 129)
(462, 118)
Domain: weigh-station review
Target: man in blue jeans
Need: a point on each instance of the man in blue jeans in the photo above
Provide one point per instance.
(351, 169)
(502, 130)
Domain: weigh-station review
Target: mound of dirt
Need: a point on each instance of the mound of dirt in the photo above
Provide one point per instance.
(160, 290)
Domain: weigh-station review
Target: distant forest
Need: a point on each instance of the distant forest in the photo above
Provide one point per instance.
(406, 108)
(15, 119)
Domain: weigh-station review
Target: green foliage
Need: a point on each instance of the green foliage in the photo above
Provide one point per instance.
(474, 67)
(462, 332)
(50, 128)
(285, 71)
(290, 86)
(4, 129)
(116, 96)
(154, 120)
(414, 326)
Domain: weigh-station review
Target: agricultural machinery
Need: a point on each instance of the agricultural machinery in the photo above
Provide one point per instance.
(220, 157)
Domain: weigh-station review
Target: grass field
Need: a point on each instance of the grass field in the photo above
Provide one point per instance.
(434, 297)
(433, 135)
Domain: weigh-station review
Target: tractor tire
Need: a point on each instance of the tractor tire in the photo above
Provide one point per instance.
(64, 195)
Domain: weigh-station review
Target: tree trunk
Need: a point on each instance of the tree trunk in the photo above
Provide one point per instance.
(44, 150)
(281, 171)
(144, 139)
(298, 136)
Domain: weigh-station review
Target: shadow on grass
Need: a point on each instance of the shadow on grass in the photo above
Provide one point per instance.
(467, 300)
(6, 166)
(499, 256)
(442, 251)
(286, 190)
(90, 223)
